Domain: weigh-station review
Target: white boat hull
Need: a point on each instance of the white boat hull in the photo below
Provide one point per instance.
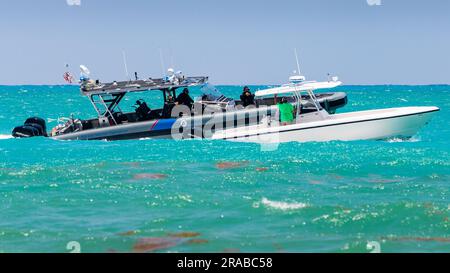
(402, 122)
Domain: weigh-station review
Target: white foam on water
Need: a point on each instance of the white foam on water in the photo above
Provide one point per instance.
(283, 205)
(5, 136)
(397, 140)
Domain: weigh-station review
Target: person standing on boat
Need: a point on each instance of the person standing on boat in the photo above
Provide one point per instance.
(185, 99)
(286, 112)
(247, 98)
(169, 104)
(143, 112)
(170, 99)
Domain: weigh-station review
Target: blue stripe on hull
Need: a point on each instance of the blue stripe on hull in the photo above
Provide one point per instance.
(164, 124)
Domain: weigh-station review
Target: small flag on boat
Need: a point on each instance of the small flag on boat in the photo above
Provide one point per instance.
(68, 77)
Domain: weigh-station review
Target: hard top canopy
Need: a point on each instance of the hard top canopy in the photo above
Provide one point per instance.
(89, 88)
(304, 86)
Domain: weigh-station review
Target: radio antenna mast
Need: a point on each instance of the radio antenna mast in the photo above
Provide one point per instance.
(161, 58)
(296, 59)
(125, 64)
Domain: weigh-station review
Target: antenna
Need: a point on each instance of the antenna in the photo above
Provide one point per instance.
(297, 79)
(125, 64)
(296, 59)
(172, 65)
(162, 62)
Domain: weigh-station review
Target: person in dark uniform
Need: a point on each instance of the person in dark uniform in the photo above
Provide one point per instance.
(168, 106)
(185, 99)
(170, 99)
(247, 98)
(142, 110)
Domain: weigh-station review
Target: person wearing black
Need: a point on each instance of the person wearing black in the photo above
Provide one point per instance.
(185, 99)
(142, 111)
(170, 99)
(168, 106)
(247, 98)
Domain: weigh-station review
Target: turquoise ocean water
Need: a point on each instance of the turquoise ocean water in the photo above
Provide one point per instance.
(216, 196)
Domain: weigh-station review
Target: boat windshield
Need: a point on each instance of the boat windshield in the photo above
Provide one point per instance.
(210, 93)
(212, 96)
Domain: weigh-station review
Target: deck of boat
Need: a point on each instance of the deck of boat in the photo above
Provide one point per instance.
(139, 85)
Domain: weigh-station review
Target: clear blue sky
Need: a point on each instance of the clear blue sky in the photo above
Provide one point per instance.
(234, 42)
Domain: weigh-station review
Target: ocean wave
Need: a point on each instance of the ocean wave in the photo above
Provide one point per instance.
(283, 205)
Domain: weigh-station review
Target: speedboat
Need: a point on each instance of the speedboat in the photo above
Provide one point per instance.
(319, 125)
(211, 110)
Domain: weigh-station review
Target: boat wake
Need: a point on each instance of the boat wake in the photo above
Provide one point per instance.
(5, 136)
(397, 140)
(282, 205)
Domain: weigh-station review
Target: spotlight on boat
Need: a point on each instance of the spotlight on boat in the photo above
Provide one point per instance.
(85, 70)
(179, 75)
(84, 75)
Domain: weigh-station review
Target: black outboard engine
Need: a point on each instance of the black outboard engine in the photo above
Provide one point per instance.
(32, 127)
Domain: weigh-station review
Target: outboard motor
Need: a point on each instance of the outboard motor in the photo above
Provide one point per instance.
(32, 127)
